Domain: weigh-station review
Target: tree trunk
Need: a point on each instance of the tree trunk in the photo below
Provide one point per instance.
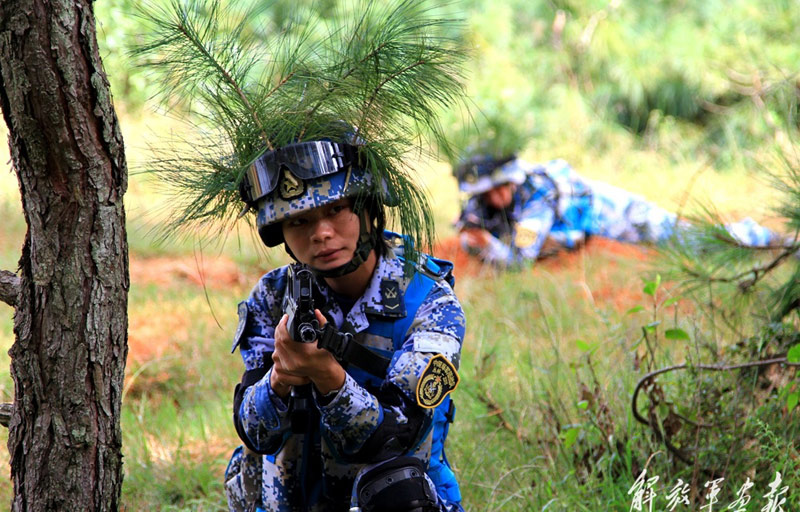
(68, 359)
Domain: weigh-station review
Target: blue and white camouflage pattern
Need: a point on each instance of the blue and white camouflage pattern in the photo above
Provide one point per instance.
(315, 192)
(354, 413)
(514, 171)
(554, 202)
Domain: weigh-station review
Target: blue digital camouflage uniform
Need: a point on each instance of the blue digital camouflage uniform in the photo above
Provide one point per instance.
(315, 471)
(557, 203)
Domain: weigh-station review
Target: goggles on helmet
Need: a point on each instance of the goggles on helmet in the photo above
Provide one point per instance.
(478, 167)
(306, 160)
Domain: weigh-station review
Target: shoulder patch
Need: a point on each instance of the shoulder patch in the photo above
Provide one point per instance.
(525, 237)
(438, 379)
(237, 337)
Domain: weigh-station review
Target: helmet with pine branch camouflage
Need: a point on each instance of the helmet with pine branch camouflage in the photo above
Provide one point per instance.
(305, 114)
(483, 172)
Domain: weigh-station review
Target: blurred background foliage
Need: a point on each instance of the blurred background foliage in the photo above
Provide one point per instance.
(686, 102)
(721, 73)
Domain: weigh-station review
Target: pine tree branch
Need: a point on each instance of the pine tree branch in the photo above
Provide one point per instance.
(387, 80)
(758, 273)
(332, 88)
(9, 287)
(5, 413)
(227, 76)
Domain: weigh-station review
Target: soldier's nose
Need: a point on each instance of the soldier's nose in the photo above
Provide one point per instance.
(323, 230)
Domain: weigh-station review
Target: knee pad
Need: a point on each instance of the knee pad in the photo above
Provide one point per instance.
(396, 485)
(243, 481)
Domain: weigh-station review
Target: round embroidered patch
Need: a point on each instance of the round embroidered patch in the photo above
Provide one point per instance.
(438, 379)
(525, 237)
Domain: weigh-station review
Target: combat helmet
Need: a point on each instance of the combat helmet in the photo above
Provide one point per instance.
(482, 172)
(304, 115)
(296, 178)
(490, 142)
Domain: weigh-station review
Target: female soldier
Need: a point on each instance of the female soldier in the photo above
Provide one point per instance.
(378, 407)
(518, 212)
(311, 126)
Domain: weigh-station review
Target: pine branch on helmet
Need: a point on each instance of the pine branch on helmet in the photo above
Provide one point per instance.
(296, 116)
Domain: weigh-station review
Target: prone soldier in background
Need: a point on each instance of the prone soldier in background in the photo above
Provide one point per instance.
(517, 211)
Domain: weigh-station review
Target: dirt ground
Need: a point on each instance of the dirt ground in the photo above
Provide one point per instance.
(219, 273)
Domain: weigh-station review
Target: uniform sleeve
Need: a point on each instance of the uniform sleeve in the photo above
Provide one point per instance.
(536, 218)
(259, 414)
(472, 215)
(366, 426)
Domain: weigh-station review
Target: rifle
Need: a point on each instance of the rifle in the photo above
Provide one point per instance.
(298, 303)
(302, 324)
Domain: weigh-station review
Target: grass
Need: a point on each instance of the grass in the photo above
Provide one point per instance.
(549, 361)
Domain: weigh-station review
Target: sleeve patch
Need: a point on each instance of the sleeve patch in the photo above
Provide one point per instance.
(438, 380)
(525, 237)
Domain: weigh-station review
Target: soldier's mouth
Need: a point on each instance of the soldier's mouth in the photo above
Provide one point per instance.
(327, 255)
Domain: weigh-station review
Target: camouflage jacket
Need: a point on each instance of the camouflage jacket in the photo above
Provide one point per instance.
(558, 204)
(553, 201)
(315, 470)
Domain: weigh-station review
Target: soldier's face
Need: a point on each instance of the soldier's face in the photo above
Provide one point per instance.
(325, 237)
(500, 196)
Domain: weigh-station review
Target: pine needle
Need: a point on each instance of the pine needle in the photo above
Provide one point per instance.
(249, 85)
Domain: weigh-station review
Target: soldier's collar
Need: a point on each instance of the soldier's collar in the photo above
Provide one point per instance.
(385, 295)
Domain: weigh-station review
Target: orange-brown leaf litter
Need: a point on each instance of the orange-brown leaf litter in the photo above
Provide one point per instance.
(153, 327)
(604, 288)
(219, 272)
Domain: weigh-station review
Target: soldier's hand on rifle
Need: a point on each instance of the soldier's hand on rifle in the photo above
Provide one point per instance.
(298, 363)
(475, 237)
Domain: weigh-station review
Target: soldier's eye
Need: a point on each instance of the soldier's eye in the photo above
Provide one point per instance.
(339, 208)
(296, 222)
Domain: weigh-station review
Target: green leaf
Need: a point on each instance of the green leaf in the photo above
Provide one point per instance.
(651, 327)
(584, 346)
(583, 404)
(669, 302)
(634, 309)
(793, 356)
(569, 437)
(791, 400)
(650, 287)
(676, 334)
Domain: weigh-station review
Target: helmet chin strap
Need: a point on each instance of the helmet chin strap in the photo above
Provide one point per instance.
(366, 243)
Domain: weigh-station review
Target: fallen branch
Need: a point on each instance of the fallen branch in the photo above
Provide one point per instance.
(9, 287)
(496, 411)
(5, 413)
(650, 379)
(710, 367)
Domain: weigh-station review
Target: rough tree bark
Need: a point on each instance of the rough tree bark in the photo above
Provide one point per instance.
(70, 295)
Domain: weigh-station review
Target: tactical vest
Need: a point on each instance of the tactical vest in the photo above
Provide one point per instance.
(428, 272)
